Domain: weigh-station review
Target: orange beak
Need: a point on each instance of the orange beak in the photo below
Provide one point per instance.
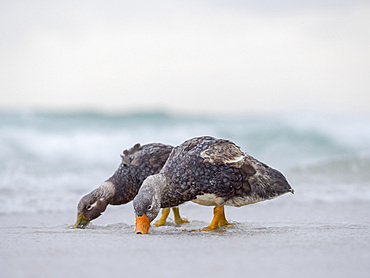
(142, 224)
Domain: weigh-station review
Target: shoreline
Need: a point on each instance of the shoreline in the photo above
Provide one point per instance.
(327, 240)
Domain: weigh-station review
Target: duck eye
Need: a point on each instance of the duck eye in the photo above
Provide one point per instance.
(89, 207)
(125, 165)
(149, 207)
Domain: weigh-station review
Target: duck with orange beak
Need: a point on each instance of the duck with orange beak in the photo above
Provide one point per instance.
(210, 172)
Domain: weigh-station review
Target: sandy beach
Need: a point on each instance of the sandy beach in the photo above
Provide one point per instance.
(279, 238)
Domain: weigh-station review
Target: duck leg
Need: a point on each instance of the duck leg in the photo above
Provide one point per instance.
(162, 220)
(176, 214)
(218, 220)
(178, 219)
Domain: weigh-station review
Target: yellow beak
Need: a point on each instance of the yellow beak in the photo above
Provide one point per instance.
(142, 224)
(81, 221)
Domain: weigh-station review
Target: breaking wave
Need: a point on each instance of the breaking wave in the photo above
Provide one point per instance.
(49, 160)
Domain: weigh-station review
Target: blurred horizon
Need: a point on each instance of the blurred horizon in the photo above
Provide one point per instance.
(301, 113)
(198, 57)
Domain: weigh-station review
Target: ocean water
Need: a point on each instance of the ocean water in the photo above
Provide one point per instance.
(49, 160)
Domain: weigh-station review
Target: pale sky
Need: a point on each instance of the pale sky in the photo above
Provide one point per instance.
(222, 56)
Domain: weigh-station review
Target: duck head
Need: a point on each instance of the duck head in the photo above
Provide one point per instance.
(92, 205)
(147, 203)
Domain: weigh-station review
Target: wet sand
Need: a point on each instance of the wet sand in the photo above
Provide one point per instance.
(278, 238)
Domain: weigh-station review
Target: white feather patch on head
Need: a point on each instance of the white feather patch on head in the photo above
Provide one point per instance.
(93, 205)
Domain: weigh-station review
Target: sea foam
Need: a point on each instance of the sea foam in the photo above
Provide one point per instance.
(49, 160)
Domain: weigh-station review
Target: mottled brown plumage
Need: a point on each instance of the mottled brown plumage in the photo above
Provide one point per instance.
(209, 171)
(137, 163)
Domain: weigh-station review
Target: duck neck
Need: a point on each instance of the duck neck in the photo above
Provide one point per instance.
(107, 191)
(160, 184)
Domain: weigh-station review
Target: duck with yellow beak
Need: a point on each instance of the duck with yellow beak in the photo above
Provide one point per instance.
(210, 172)
(137, 163)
